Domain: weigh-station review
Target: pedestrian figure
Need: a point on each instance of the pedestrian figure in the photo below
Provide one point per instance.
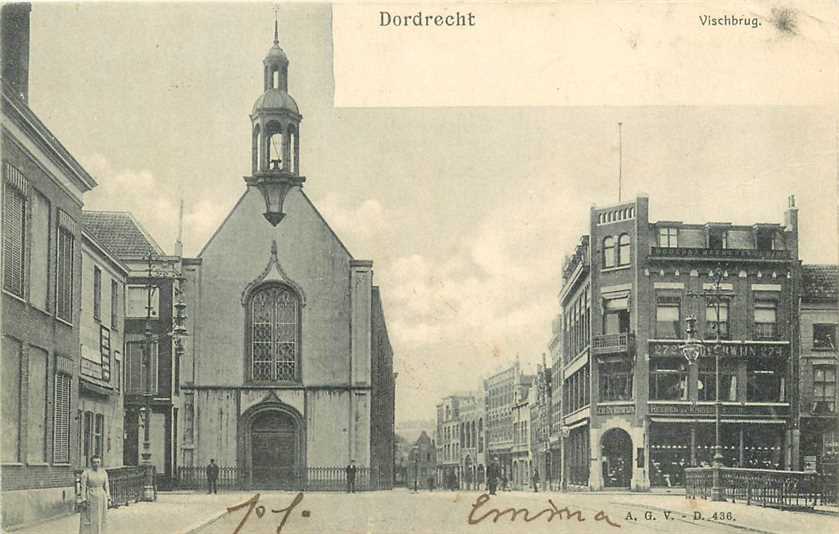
(536, 480)
(212, 477)
(96, 498)
(492, 477)
(503, 482)
(351, 471)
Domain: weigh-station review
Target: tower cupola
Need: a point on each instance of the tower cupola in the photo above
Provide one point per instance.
(275, 131)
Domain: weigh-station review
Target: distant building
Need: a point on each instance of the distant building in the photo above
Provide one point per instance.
(472, 446)
(42, 195)
(819, 315)
(501, 393)
(449, 440)
(636, 412)
(522, 462)
(541, 414)
(421, 463)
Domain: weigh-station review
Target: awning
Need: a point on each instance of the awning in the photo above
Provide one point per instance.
(94, 389)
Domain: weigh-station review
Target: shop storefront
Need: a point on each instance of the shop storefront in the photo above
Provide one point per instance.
(677, 445)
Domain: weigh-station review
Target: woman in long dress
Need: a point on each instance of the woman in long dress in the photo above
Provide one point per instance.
(96, 497)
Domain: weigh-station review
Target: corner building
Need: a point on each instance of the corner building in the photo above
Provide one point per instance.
(289, 365)
(636, 413)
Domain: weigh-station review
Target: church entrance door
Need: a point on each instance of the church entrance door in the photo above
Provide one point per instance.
(274, 451)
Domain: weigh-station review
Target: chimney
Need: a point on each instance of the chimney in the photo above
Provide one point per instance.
(15, 47)
(791, 225)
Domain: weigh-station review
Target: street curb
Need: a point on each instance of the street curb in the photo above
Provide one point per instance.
(202, 523)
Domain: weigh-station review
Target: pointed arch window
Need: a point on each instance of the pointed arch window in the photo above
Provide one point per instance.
(274, 334)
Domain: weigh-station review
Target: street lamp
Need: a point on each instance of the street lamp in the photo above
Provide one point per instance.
(415, 451)
(564, 432)
(693, 349)
(177, 333)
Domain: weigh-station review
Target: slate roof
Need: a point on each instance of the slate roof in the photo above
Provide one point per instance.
(820, 282)
(120, 233)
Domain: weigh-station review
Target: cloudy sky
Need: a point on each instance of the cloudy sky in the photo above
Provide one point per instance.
(466, 212)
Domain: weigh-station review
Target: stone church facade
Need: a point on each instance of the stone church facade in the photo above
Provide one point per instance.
(289, 365)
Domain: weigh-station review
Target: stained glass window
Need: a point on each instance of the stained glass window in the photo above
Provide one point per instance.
(274, 344)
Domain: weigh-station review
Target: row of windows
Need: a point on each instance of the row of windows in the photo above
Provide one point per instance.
(34, 449)
(22, 203)
(617, 253)
(577, 392)
(765, 381)
(668, 317)
(577, 324)
(716, 238)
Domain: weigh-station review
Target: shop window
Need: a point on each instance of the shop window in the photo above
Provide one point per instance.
(765, 381)
(706, 384)
(668, 317)
(668, 237)
(624, 249)
(824, 388)
(766, 312)
(711, 323)
(824, 336)
(615, 380)
(669, 379)
(608, 252)
(87, 437)
(98, 434)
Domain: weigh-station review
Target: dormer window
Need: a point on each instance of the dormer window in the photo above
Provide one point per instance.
(668, 237)
(717, 238)
(765, 239)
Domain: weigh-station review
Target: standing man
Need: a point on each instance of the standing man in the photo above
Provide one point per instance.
(351, 471)
(492, 476)
(212, 477)
(536, 481)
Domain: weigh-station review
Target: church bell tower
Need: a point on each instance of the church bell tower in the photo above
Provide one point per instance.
(275, 129)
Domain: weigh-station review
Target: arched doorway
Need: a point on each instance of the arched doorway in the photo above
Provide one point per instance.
(616, 458)
(272, 446)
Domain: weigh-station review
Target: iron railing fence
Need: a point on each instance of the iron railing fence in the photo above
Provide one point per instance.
(763, 487)
(322, 478)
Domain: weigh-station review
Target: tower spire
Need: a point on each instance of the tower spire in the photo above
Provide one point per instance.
(179, 244)
(276, 25)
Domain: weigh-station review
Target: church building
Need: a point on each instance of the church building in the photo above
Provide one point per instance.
(289, 369)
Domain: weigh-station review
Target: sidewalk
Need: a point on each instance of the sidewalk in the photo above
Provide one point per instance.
(175, 513)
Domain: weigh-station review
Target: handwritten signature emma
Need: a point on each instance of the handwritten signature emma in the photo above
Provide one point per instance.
(550, 513)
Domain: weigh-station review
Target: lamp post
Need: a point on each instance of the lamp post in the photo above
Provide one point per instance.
(564, 432)
(415, 451)
(178, 333)
(693, 349)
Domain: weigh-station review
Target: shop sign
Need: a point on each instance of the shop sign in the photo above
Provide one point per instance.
(616, 410)
(705, 409)
(737, 350)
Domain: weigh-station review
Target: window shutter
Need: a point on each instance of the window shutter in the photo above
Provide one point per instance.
(14, 226)
(61, 427)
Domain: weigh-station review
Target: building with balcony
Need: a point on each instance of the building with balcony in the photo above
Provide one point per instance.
(819, 417)
(635, 411)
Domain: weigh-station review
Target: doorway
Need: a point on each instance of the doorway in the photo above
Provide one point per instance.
(274, 442)
(616, 458)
